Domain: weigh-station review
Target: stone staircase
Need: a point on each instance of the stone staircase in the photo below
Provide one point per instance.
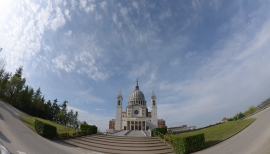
(121, 144)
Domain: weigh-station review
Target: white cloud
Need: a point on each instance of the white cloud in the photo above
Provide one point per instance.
(135, 4)
(189, 54)
(103, 5)
(63, 62)
(73, 4)
(90, 8)
(86, 96)
(34, 7)
(114, 18)
(83, 3)
(124, 11)
(138, 70)
(68, 33)
(67, 14)
(58, 20)
(101, 121)
(174, 62)
(89, 66)
(165, 14)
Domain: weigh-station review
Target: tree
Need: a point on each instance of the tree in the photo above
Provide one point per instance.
(251, 110)
(61, 117)
(238, 116)
(14, 87)
(25, 98)
(64, 110)
(56, 110)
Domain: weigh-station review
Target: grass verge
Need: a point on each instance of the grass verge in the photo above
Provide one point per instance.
(215, 134)
(30, 122)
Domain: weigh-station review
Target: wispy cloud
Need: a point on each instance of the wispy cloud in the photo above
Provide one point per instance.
(165, 14)
(86, 96)
(67, 14)
(101, 121)
(63, 62)
(139, 70)
(103, 5)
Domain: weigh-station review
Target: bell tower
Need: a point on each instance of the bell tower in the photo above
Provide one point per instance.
(118, 118)
(154, 120)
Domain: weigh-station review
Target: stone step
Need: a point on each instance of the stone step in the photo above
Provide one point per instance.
(117, 150)
(123, 137)
(120, 141)
(122, 144)
(119, 146)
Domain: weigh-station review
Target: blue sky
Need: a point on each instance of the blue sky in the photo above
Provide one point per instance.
(205, 60)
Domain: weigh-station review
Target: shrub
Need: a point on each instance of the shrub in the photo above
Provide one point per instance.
(169, 137)
(63, 135)
(188, 144)
(90, 129)
(45, 129)
(161, 130)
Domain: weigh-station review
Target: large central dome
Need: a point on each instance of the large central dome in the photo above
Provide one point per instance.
(137, 97)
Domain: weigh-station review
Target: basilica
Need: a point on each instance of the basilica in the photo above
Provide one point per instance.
(136, 115)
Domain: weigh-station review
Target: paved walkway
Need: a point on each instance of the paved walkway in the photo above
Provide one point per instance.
(137, 133)
(121, 133)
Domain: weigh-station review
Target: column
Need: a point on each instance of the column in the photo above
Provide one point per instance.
(144, 125)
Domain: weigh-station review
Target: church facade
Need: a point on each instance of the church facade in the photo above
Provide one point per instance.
(136, 115)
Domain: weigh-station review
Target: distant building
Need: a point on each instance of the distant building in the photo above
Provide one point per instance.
(181, 128)
(136, 115)
(224, 120)
(111, 124)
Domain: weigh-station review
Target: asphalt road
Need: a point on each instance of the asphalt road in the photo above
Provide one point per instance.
(17, 138)
(255, 139)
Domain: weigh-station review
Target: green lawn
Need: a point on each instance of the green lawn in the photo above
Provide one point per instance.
(29, 121)
(221, 132)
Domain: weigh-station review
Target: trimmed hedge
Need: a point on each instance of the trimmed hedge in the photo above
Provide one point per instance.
(45, 130)
(90, 129)
(188, 144)
(161, 130)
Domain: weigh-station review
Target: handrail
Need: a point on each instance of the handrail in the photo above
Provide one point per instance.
(143, 133)
(164, 139)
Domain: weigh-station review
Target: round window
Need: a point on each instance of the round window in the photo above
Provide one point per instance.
(136, 112)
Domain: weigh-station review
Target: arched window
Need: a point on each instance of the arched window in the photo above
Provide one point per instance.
(119, 103)
(154, 103)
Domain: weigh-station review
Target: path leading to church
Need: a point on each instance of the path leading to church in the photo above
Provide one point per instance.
(255, 139)
(17, 138)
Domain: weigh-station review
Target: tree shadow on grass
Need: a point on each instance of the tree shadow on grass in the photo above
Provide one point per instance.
(211, 143)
